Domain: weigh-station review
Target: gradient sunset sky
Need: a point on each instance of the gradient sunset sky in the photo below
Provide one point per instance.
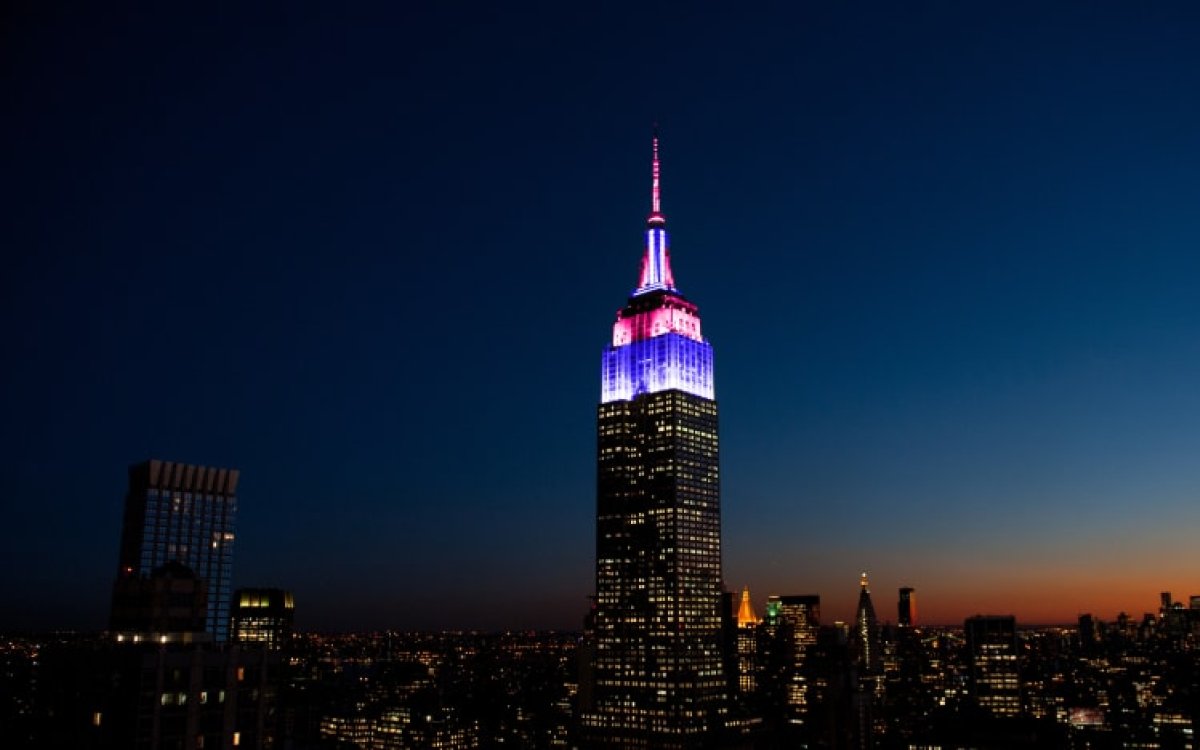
(948, 256)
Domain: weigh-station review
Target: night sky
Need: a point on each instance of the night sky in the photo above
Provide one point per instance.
(948, 256)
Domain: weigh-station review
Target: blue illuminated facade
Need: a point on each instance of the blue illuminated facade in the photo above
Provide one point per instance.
(662, 363)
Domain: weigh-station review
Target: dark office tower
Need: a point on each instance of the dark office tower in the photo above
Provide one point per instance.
(907, 607)
(171, 606)
(993, 678)
(184, 514)
(1087, 633)
(801, 617)
(657, 670)
(262, 617)
(866, 630)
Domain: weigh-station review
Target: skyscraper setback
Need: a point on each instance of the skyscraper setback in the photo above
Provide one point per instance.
(178, 513)
(656, 663)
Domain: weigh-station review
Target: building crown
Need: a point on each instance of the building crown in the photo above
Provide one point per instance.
(746, 617)
(656, 260)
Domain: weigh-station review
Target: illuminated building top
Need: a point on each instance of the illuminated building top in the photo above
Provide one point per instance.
(745, 616)
(656, 262)
(656, 340)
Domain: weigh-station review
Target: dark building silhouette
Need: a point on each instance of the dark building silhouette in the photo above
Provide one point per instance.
(657, 666)
(172, 604)
(907, 607)
(146, 695)
(1088, 635)
(158, 682)
(183, 514)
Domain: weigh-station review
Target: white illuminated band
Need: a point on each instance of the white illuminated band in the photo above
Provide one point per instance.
(656, 273)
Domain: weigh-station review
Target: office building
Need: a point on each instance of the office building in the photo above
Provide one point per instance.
(801, 618)
(657, 666)
(262, 617)
(179, 513)
(993, 675)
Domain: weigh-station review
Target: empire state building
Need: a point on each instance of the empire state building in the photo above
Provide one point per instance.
(655, 664)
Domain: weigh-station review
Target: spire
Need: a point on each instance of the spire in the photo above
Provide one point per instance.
(655, 185)
(656, 262)
(866, 629)
(746, 617)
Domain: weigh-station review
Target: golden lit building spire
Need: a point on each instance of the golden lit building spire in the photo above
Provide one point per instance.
(746, 617)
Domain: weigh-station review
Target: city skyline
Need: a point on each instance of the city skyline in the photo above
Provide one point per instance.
(950, 259)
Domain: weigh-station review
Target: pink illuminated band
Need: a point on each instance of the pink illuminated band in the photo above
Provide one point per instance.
(647, 324)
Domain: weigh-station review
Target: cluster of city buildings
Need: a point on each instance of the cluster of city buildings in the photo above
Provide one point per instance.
(667, 658)
(187, 662)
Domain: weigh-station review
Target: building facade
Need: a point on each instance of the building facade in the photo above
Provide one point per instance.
(993, 676)
(802, 618)
(179, 513)
(656, 658)
(262, 617)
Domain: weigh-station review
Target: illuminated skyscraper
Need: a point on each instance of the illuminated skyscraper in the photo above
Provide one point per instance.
(182, 514)
(866, 630)
(747, 645)
(657, 672)
(802, 615)
(262, 617)
(993, 678)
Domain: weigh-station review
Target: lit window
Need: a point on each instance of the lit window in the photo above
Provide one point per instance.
(237, 738)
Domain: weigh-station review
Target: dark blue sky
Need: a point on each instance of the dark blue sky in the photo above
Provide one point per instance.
(948, 255)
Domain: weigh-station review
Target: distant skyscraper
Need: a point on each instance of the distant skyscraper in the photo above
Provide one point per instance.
(181, 513)
(262, 617)
(657, 668)
(866, 630)
(747, 645)
(993, 677)
(801, 615)
(907, 607)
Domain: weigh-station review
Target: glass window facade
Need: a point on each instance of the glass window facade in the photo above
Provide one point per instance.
(182, 513)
